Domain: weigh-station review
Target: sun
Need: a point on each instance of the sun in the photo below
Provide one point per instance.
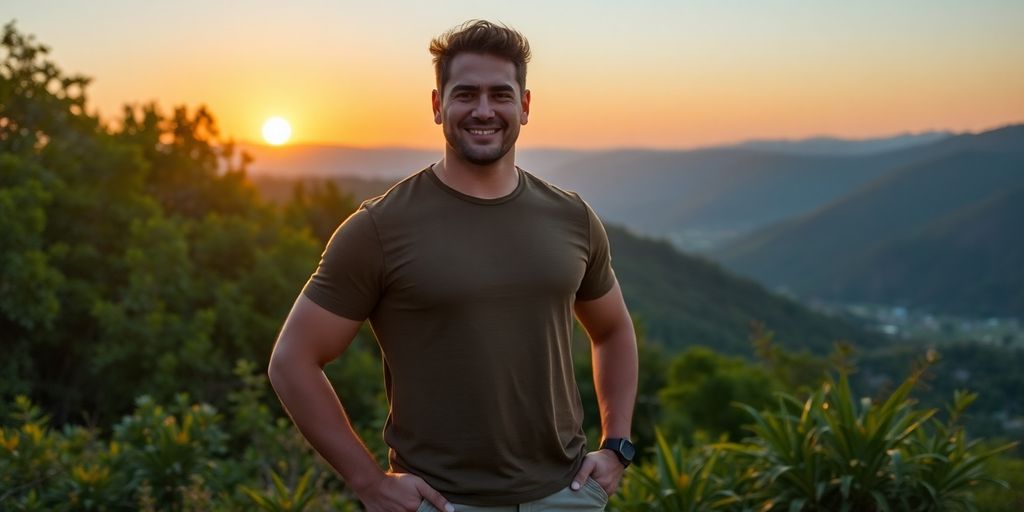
(276, 131)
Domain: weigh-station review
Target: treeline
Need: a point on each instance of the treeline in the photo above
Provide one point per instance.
(144, 281)
(136, 256)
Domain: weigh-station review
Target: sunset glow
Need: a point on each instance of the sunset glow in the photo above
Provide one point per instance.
(650, 74)
(276, 131)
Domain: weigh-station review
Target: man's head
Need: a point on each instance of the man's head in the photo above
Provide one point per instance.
(481, 100)
(483, 37)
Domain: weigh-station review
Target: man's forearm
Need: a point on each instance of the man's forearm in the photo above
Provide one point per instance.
(615, 380)
(313, 405)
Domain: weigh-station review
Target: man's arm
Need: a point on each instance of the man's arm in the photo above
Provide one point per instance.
(614, 357)
(311, 338)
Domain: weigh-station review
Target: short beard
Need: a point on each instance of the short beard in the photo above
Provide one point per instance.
(475, 156)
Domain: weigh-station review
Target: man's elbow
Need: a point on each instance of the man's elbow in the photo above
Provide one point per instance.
(620, 334)
(277, 368)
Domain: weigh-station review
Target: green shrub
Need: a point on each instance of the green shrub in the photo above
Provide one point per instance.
(833, 452)
(677, 478)
(830, 452)
(181, 456)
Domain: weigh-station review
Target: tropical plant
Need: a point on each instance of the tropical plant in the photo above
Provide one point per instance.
(281, 498)
(832, 452)
(676, 478)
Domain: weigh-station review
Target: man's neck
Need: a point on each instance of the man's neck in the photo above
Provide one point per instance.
(491, 181)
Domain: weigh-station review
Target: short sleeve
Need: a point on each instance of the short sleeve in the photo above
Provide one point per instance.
(348, 280)
(599, 277)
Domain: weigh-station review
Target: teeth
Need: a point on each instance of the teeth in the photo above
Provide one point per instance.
(483, 132)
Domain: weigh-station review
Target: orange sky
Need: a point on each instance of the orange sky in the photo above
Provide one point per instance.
(657, 74)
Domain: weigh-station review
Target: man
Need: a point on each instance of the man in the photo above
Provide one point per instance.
(469, 272)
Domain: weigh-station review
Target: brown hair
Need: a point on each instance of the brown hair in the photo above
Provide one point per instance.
(480, 36)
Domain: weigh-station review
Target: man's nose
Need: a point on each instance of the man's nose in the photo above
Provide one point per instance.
(483, 109)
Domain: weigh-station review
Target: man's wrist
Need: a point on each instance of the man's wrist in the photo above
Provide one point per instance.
(622, 448)
(362, 483)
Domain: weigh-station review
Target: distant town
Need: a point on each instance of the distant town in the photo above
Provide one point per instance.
(909, 324)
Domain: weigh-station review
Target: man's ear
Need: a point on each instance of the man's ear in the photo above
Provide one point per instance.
(526, 106)
(435, 102)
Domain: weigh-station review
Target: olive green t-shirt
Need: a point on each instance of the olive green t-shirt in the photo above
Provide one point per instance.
(471, 302)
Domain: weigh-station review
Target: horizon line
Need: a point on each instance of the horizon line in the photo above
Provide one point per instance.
(821, 136)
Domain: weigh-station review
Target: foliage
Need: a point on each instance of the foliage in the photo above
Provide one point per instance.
(701, 383)
(990, 370)
(681, 479)
(833, 452)
(319, 207)
(830, 452)
(134, 258)
(996, 498)
(283, 499)
(177, 456)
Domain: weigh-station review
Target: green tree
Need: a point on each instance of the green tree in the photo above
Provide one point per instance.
(700, 387)
(136, 258)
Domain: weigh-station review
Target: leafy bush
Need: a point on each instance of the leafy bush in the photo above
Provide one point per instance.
(684, 479)
(829, 452)
(182, 456)
(832, 452)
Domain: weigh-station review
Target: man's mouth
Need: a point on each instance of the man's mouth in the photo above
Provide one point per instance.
(482, 131)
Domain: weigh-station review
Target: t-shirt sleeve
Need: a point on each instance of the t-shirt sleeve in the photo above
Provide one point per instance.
(348, 280)
(599, 277)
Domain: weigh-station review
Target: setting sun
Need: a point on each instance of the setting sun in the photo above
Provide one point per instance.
(276, 131)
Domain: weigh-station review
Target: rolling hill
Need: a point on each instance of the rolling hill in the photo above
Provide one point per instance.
(682, 300)
(899, 239)
(968, 262)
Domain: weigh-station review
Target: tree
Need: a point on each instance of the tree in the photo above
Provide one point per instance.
(135, 259)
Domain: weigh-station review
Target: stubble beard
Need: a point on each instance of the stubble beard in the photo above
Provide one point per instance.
(478, 155)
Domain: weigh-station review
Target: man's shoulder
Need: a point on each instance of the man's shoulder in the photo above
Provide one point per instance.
(551, 191)
(398, 195)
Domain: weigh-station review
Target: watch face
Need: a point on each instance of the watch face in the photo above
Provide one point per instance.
(628, 450)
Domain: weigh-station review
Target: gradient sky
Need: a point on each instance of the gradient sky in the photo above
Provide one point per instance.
(665, 74)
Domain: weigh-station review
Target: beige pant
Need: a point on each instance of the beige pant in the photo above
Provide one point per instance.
(590, 498)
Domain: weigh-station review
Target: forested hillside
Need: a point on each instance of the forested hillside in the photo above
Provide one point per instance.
(902, 221)
(967, 262)
(683, 301)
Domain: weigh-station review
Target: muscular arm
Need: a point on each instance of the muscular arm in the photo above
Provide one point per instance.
(311, 338)
(614, 357)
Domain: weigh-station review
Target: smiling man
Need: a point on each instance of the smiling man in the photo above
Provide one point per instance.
(470, 272)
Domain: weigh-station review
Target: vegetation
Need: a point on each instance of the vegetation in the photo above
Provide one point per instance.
(142, 276)
(829, 452)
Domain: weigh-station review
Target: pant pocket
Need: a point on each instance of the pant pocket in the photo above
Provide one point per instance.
(596, 489)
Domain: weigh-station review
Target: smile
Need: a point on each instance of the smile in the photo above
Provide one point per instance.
(490, 131)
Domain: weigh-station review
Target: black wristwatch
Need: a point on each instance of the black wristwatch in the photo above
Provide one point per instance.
(623, 449)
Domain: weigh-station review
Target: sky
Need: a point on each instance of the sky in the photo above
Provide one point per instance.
(653, 74)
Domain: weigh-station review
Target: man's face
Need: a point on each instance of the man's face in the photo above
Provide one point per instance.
(481, 107)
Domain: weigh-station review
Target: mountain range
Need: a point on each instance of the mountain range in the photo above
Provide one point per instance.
(942, 233)
(927, 221)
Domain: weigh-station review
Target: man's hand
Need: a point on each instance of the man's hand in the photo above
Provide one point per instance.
(604, 467)
(400, 492)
